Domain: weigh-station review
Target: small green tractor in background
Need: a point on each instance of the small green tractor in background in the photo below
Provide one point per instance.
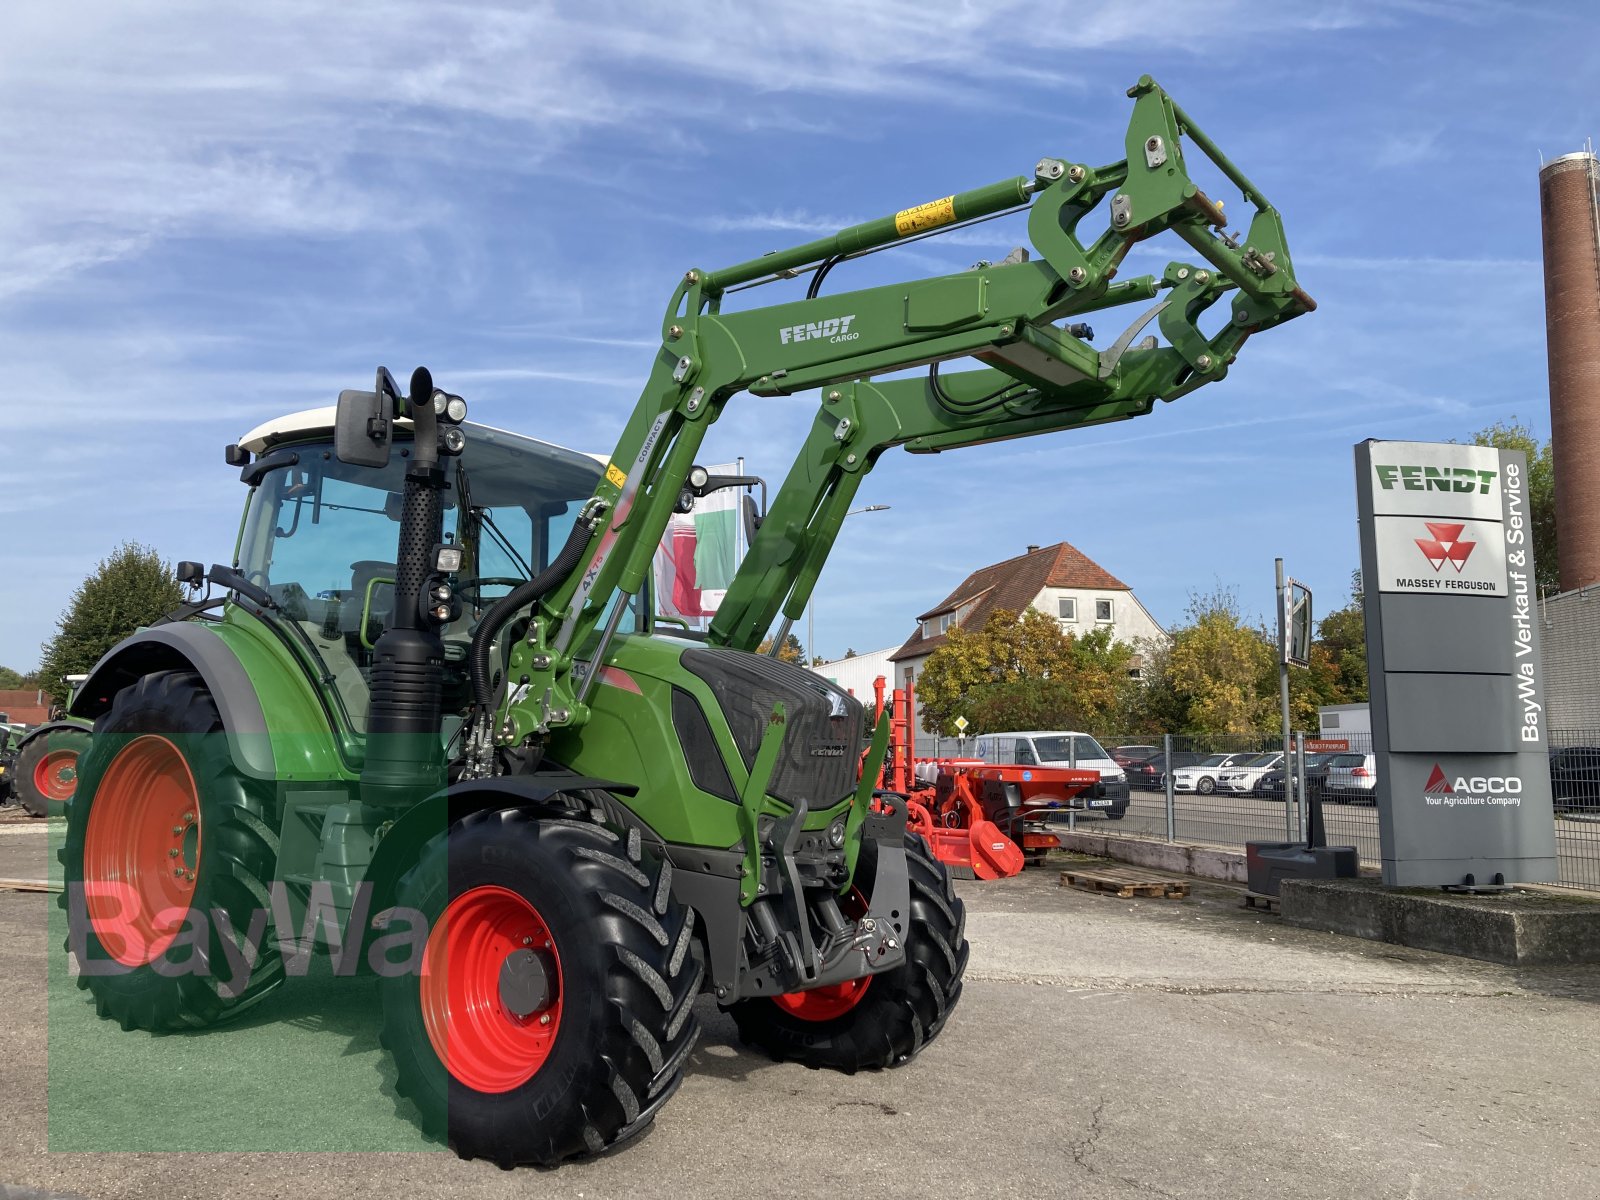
(44, 769)
(428, 714)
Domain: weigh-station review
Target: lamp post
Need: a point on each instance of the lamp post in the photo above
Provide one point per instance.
(811, 604)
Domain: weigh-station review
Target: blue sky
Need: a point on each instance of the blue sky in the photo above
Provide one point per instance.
(211, 215)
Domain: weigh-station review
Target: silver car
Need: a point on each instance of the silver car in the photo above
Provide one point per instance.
(1352, 778)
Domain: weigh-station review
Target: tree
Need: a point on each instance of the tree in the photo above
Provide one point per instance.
(1516, 435)
(1340, 669)
(14, 681)
(1023, 673)
(1224, 671)
(132, 587)
(790, 652)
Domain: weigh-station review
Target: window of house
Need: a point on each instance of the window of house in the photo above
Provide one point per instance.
(1102, 610)
(1067, 608)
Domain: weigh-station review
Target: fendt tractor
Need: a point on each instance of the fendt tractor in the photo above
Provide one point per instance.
(429, 716)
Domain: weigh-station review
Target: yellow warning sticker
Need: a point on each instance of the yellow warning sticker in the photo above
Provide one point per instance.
(614, 475)
(925, 216)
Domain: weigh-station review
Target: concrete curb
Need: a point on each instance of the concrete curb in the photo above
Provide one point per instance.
(1520, 928)
(1203, 862)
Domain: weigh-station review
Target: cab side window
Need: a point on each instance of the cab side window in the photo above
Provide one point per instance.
(1024, 753)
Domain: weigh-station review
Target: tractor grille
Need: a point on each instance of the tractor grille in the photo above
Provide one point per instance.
(823, 738)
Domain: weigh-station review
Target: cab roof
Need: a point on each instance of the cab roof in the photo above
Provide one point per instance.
(315, 422)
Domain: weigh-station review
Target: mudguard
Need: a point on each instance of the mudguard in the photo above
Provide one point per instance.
(186, 646)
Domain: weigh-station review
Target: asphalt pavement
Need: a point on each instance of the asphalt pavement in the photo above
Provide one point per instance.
(1105, 1047)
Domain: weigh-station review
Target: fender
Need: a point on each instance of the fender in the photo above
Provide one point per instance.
(186, 646)
(421, 823)
(50, 727)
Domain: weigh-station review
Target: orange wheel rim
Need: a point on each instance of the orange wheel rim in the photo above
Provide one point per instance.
(836, 999)
(55, 776)
(481, 1040)
(141, 850)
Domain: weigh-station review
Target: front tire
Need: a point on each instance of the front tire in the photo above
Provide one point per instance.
(1206, 786)
(552, 1017)
(167, 843)
(881, 1020)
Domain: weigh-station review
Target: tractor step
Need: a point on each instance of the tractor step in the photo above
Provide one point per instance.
(1125, 883)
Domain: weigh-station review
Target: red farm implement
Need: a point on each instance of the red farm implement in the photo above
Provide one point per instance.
(986, 820)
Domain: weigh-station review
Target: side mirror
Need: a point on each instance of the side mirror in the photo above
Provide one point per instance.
(191, 574)
(362, 430)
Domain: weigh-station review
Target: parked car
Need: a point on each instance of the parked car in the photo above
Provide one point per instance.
(1151, 773)
(1270, 785)
(1241, 780)
(1123, 756)
(1352, 778)
(1575, 776)
(1202, 777)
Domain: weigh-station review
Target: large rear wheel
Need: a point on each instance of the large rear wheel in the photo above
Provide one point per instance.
(46, 772)
(553, 1013)
(881, 1020)
(168, 856)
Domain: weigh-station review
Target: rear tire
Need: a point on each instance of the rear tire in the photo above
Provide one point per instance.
(617, 983)
(897, 1013)
(164, 836)
(45, 773)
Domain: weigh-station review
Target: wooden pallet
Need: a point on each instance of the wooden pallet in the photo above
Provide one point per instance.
(1257, 900)
(1125, 882)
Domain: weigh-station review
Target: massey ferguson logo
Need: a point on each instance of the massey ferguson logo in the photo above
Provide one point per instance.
(1471, 790)
(1445, 546)
(834, 329)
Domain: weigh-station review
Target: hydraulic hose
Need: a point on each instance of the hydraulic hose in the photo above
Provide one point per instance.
(520, 597)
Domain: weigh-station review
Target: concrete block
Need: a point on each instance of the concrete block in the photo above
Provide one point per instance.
(1205, 862)
(1518, 928)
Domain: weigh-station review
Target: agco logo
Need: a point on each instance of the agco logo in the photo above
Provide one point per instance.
(834, 329)
(1462, 480)
(1445, 546)
(1470, 790)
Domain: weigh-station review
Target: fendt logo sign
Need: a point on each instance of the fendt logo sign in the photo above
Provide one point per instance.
(1445, 545)
(1471, 790)
(834, 329)
(1460, 480)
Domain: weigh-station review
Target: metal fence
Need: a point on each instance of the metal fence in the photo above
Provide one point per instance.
(1221, 794)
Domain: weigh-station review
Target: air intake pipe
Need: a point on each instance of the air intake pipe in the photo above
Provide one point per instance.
(405, 756)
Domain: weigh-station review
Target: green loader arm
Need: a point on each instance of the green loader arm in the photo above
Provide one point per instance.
(1037, 376)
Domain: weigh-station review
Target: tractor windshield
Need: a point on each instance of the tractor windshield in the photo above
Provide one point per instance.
(321, 536)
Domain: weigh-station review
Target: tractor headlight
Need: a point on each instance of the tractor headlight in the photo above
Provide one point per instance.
(698, 477)
(454, 440)
(836, 834)
(447, 559)
(441, 399)
(455, 410)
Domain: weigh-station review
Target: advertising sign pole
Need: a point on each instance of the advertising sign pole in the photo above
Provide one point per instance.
(1283, 698)
(1458, 722)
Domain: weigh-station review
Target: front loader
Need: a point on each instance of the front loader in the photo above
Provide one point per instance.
(429, 712)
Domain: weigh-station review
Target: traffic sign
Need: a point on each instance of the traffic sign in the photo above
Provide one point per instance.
(961, 724)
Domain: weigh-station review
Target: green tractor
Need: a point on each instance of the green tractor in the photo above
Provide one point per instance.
(428, 713)
(44, 771)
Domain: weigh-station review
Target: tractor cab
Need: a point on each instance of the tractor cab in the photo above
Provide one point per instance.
(319, 535)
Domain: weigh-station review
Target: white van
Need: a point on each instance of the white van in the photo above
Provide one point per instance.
(1060, 748)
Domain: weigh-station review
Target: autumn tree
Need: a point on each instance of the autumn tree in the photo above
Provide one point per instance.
(130, 588)
(1023, 673)
(790, 652)
(1223, 670)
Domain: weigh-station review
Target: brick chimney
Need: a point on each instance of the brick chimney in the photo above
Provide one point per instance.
(1570, 223)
